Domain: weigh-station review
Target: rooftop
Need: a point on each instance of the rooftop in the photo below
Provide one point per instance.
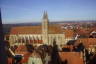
(71, 57)
(53, 29)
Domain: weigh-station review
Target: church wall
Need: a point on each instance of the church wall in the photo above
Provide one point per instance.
(18, 39)
(59, 38)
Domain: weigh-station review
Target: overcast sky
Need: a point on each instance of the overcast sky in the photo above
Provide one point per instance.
(19, 11)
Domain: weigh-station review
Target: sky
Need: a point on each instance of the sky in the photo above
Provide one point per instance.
(21, 11)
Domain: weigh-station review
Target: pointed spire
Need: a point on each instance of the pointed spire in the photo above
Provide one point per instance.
(45, 16)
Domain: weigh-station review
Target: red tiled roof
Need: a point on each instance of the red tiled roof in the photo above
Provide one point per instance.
(21, 49)
(10, 60)
(53, 29)
(68, 33)
(26, 30)
(84, 31)
(86, 41)
(71, 57)
(68, 46)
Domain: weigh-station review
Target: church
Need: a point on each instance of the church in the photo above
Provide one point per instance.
(45, 33)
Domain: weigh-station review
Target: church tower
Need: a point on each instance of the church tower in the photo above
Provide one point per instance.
(45, 28)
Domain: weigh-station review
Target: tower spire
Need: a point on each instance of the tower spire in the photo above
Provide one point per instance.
(45, 16)
(45, 28)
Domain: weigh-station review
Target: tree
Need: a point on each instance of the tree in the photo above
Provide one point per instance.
(55, 55)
